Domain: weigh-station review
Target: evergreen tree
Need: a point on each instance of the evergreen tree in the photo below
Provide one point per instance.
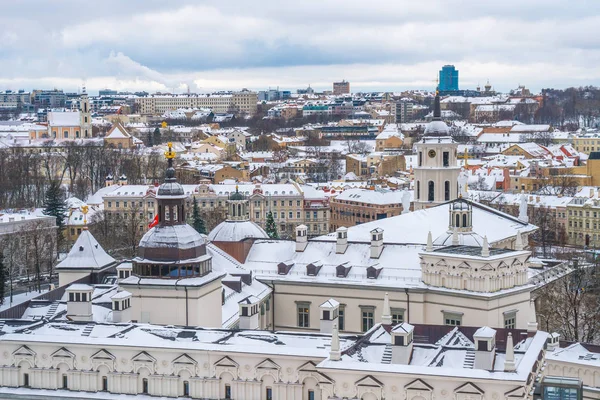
(157, 136)
(55, 205)
(271, 229)
(2, 278)
(197, 221)
(150, 139)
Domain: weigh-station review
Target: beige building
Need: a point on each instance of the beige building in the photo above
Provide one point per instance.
(340, 88)
(242, 102)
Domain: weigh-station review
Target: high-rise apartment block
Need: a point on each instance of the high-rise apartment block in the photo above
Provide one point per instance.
(448, 78)
(340, 88)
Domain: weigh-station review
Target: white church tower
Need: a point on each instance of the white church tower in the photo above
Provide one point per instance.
(85, 115)
(436, 173)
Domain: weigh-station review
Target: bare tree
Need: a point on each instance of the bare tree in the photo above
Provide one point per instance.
(40, 248)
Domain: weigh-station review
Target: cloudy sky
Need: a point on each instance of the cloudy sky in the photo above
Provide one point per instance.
(229, 44)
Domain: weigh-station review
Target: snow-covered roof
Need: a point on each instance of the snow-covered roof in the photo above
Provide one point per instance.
(65, 118)
(181, 236)
(118, 132)
(86, 254)
(366, 196)
(236, 231)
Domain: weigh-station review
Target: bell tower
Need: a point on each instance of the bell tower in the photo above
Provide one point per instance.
(85, 115)
(237, 206)
(436, 173)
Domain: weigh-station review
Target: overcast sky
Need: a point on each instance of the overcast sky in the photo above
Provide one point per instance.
(229, 44)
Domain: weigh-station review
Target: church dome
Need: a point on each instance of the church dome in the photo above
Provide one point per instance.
(437, 128)
(236, 231)
(171, 242)
(464, 239)
(170, 187)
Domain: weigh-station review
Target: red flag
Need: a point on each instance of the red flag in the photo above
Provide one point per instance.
(154, 222)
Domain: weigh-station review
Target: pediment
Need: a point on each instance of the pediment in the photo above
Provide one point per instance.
(144, 357)
(369, 381)
(226, 362)
(308, 367)
(103, 355)
(517, 263)
(62, 353)
(441, 263)
(468, 388)
(516, 392)
(463, 265)
(502, 265)
(184, 359)
(24, 351)
(418, 384)
(487, 267)
(268, 364)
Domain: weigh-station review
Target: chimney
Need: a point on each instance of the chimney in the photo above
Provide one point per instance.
(429, 242)
(123, 271)
(329, 315)
(248, 313)
(334, 353)
(553, 341)
(485, 348)
(386, 317)
(301, 238)
(402, 343)
(509, 361)
(532, 325)
(121, 306)
(485, 249)
(79, 302)
(341, 240)
(376, 242)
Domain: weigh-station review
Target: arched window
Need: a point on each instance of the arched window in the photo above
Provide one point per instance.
(431, 191)
(447, 190)
(239, 210)
(465, 220)
(457, 221)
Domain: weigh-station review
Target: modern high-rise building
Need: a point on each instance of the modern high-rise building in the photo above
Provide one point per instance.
(448, 78)
(340, 88)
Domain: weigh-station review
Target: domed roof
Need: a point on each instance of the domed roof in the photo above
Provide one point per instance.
(465, 239)
(236, 195)
(170, 187)
(236, 231)
(171, 242)
(437, 128)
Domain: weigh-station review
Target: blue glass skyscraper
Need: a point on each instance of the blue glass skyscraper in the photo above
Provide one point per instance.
(448, 78)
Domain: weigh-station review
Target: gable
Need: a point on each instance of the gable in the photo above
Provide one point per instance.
(268, 364)
(468, 388)
(226, 362)
(184, 359)
(102, 355)
(369, 381)
(418, 384)
(24, 351)
(308, 366)
(516, 392)
(62, 353)
(144, 357)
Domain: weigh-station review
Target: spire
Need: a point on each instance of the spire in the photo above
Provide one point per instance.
(429, 242)
(509, 362)
(335, 354)
(170, 155)
(519, 242)
(532, 325)
(455, 241)
(386, 318)
(437, 110)
(485, 249)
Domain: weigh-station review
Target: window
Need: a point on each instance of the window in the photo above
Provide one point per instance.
(510, 318)
(368, 318)
(104, 384)
(418, 189)
(65, 382)
(145, 386)
(341, 318)
(77, 296)
(186, 388)
(399, 340)
(420, 158)
(269, 394)
(397, 316)
(290, 215)
(66, 134)
(26, 380)
(257, 214)
(311, 395)
(446, 158)
(110, 203)
(227, 392)
(303, 316)
(430, 191)
(452, 319)
(447, 190)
